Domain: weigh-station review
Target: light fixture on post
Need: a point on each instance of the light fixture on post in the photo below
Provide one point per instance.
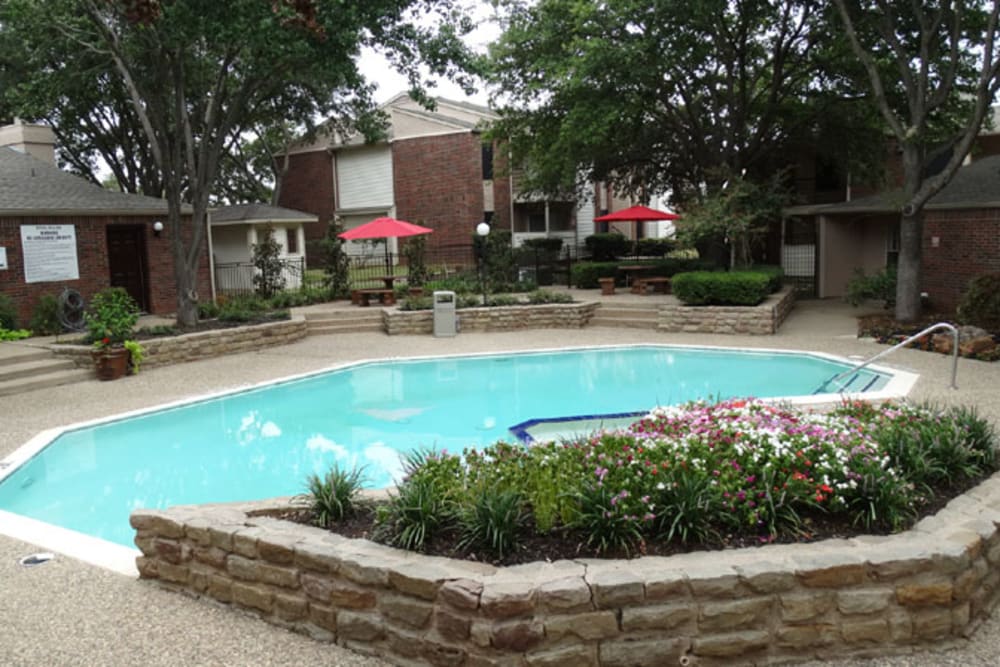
(482, 231)
(157, 228)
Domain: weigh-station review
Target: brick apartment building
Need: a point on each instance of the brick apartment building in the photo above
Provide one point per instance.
(60, 231)
(435, 169)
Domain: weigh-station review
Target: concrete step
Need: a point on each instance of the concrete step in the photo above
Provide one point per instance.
(623, 322)
(34, 366)
(322, 329)
(44, 381)
(16, 354)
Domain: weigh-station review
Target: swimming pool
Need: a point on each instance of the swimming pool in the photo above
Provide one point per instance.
(264, 441)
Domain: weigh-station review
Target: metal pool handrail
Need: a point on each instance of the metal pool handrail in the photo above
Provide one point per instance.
(933, 327)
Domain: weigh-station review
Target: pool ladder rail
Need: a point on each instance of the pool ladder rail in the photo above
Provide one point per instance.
(841, 388)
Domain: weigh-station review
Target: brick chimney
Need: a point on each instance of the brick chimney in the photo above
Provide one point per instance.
(36, 140)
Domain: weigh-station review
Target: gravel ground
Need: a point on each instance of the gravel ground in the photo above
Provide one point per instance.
(65, 612)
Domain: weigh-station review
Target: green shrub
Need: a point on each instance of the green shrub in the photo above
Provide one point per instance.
(497, 300)
(607, 246)
(416, 303)
(585, 274)
(880, 287)
(734, 288)
(413, 514)
(13, 334)
(458, 284)
(268, 277)
(492, 521)
(415, 252)
(45, 318)
(775, 275)
(980, 304)
(333, 496)
(111, 317)
(547, 245)
(8, 313)
(605, 521)
(654, 247)
(548, 296)
(208, 310)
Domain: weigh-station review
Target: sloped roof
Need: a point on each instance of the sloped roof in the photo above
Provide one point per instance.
(976, 185)
(29, 186)
(251, 213)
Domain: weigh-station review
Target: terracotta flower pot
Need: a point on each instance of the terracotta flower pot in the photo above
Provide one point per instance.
(111, 362)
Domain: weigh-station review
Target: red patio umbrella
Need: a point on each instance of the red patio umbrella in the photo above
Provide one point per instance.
(384, 228)
(637, 214)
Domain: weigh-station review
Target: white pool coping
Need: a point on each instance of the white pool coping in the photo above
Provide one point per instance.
(121, 559)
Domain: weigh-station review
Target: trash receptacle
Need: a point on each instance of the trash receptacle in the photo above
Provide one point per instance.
(444, 313)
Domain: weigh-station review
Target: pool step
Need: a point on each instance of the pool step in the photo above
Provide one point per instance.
(37, 369)
(340, 320)
(632, 316)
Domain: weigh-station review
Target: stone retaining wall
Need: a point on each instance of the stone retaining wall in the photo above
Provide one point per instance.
(500, 318)
(777, 603)
(762, 319)
(203, 344)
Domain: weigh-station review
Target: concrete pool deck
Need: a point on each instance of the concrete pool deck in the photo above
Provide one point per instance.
(67, 613)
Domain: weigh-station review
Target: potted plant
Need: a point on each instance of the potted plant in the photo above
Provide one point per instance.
(110, 319)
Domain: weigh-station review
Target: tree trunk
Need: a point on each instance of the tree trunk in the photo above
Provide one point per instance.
(911, 231)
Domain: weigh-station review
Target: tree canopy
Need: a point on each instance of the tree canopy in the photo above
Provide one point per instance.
(670, 95)
(197, 74)
(932, 72)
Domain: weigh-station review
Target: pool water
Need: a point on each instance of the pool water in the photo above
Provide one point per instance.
(264, 442)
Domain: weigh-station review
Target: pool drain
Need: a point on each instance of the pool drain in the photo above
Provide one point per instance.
(36, 559)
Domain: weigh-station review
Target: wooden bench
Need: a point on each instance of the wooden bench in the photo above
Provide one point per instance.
(362, 297)
(658, 283)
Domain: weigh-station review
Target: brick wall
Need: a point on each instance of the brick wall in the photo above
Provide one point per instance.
(438, 181)
(968, 245)
(501, 188)
(92, 256)
(308, 186)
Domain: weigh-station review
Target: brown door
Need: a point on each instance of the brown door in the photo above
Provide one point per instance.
(127, 261)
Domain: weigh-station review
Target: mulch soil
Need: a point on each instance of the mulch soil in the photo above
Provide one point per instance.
(567, 544)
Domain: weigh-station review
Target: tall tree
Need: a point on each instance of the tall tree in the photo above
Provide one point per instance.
(933, 71)
(199, 72)
(665, 95)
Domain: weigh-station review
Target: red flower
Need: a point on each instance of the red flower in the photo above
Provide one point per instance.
(106, 341)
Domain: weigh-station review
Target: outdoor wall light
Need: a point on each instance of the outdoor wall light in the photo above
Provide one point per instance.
(157, 228)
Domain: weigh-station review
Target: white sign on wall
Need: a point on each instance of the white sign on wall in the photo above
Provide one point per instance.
(3, 259)
(49, 253)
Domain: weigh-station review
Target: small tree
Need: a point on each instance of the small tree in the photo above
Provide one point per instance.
(336, 263)
(737, 214)
(268, 276)
(415, 251)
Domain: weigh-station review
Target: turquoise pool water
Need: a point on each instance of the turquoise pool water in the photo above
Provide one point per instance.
(263, 442)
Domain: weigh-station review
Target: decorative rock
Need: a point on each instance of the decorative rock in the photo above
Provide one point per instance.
(810, 634)
(290, 607)
(504, 600)
(614, 588)
(589, 626)
(863, 601)
(450, 625)
(643, 652)
(733, 615)
(871, 630)
(833, 577)
(517, 636)
(276, 552)
(578, 655)
(360, 627)
(567, 593)
(249, 595)
(932, 623)
(976, 346)
(423, 581)
(658, 617)
(462, 593)
(932, 593)
(323, 616)
(804, 606)
(410, 611)
(731, 644)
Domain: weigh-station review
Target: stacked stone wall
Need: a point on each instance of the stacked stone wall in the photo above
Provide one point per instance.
(500, 318)
(864, 596)
(203, 344)
(763, 319)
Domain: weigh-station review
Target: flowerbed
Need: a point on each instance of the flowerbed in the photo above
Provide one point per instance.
(697, 476)
(974, 343)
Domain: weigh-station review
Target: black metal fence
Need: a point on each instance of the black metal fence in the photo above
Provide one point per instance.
(236, 278)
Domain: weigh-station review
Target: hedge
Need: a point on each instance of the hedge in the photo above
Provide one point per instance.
(720, 288)
(585, 274)
(774, 273)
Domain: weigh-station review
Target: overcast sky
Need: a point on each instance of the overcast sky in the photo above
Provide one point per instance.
(377, 70)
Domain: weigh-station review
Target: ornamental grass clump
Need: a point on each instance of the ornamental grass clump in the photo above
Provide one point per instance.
(700, 475)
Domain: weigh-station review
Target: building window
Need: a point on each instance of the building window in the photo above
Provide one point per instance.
(536, 222)
(291, 241)
(487, 162)
(892, 244)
